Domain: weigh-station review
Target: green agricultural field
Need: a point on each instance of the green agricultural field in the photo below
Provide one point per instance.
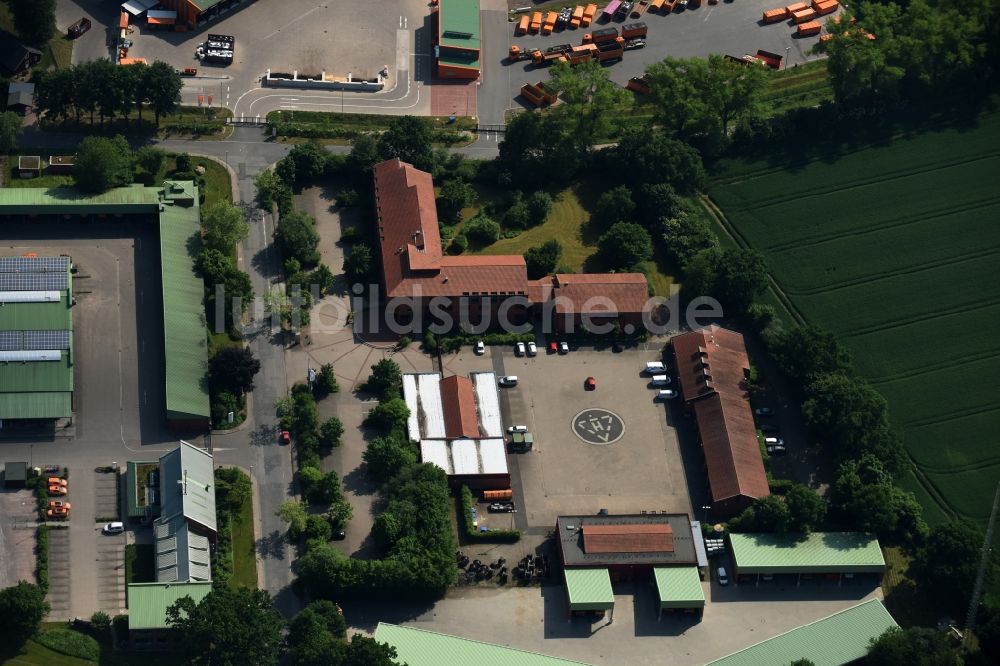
(896, 249)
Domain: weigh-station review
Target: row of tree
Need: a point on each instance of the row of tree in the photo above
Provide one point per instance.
(107, 89)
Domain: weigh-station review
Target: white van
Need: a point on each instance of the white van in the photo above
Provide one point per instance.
(661, 380)
(509, 380)
(655, 367)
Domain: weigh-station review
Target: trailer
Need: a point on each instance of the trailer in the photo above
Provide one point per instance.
(589, 14)
(633, 30)
(577, 18)
(550, 23)
(538, 94)
(602, 35)
(640, 9)
(78, 28)
(536, 22)
(522, 26)
(810, 28)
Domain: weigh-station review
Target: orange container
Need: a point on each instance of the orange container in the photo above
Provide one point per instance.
(805, 15)
(522, 25)
(494, 495)
(775, 15)
(797, 7)
(536, 21)
(811, 28)
(550, 23)
(588, 15)
(823, 8)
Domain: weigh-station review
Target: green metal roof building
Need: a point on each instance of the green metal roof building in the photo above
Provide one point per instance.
(679, 587)
(815, 553)
(175, 207)
(589, 590)
(148, 602)
(834, 640)
(459, 39)
(417, 647)
(36, 337)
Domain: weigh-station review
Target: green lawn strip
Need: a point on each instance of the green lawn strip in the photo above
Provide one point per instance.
(244, 548)
(339, 128)
(805, 85)
(13, 180)
(69, 642)
(35, 654)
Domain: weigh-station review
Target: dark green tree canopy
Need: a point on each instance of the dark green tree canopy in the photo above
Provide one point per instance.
(386, 380)
(625, 244)
(358, 264)
(22, 607)
(543, 259)
(915, 646)
(35, 20)
(411, 140)
(102, 164)
(234, 369)
(298, 237)
(946, 567)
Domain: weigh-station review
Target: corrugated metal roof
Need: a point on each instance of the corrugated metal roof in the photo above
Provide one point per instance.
(37, 376)
(834, 640)
(589, 589)
(29, 200)
(638, 538)
(418, 647)
(818, 552)
(37, 316)
(186, 349)
(195, 500)
(679, 587)
(36, 405)
(148, 602)
(459, 23)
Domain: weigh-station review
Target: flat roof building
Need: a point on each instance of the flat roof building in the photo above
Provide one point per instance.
(147, 611)
(589, 591)
(835, 640)
(679, 588)
(829, 554)
(712, 367)
(459, 39)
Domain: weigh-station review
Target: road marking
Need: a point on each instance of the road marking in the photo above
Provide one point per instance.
(289, 99)
(295, 20)
(402, 49)
(709, 13)
(288, 106)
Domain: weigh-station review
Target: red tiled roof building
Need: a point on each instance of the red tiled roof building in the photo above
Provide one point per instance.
(414, 265)
(711, 368)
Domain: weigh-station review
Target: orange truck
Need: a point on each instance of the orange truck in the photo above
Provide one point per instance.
(538, 94)
(550, 23)
(775, 15)
(553, 53)
(588, 15)
(807, 14)
(536, 22)
(579, 54)
(639, 8)
(522, 25)
(577, 18)
(810, 28)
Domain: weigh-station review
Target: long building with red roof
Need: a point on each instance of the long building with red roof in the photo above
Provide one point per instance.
(414, 265)
(712, 365)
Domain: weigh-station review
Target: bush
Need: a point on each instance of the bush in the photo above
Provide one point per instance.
(459, 244)
(298, 237)
(71, 643)
(331, 432)
(325, 382)
(183, 162)
(472, 533)
(482, 229)
(348, 198)
(42, 557)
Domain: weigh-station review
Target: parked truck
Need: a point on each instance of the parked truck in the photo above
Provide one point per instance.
(538, 94)
(550, 54)
(78, 28)
(610, 50)
(579, 54)
(633, 30)
(550, 23)
(623, 9)
(602, 35)
(589, 14)
(577, 18)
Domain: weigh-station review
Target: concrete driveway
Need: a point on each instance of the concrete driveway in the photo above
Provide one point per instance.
(60, 596)
(18, 512)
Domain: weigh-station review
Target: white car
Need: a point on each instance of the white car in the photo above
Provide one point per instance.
(661, 380)
(563, 347)
(774, 441)
(655, 368)
(517, 428)
(519, 349)
(723, 576)
(509, 380)
(666, 394)
(113, 528)
(532, 349)
(480, 348)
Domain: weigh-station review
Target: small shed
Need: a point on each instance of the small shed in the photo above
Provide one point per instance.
(61, 164)
(15, 474)
(679, 588)
(29, 166)
(20, 97)
(589, 591)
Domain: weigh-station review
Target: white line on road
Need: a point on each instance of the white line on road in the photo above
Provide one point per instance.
(289, 99)
(295, 20)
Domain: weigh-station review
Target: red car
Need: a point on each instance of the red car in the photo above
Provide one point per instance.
(590, 384)
(553, 347)
(286, 437)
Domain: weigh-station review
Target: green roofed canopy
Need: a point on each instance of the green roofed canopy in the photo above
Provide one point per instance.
(148, 602)
(679, 587)
(589, 590)
(417, 647)
(818, 552)
(459, 24)
(834, 640)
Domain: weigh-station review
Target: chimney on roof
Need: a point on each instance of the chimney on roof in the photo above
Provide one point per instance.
(445, 280)
(399, 250)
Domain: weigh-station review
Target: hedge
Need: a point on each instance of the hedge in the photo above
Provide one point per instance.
(42, 557)
(453, 341)
(472, 532)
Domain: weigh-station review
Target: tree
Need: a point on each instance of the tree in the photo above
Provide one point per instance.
(625, 244)
(364, 155)
(915, 646)
(149, 157)
(232, 489)
(104, 75)
(325, 382)
(385, 456)
(740, 275)
(537, 149)
(227, 627)
(861, 69)
(22, 607)
(10, 130)
(315, 632)
(102, 164)
(386, 380)
(615, 205)
(539, 205)
(946, 567)
(294, 513)
(365, 651)
(273, 191)
(130, 82)
(866, 499)
(35, 20)
(588, 96)
(806, 509)
(455, 195)
(225, 225)
(658, 202)
(163, 87)
(330, 432)
(223, 402)
(543, 259)
(766, 514)
(685, 235)
(411, 140)
(482, 229)
(805, 353)
(234, 368)
(646, 157)
(988, 632)
(309, 160)
(389, 415)
(358, 264)
(218, 269)
(55, 92)
(322, 277)
(802, 662)
(298, 237)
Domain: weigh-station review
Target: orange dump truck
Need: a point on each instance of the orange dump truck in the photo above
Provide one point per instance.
(775, 15)
(639, 8)
(579, 54)
(810, 28)
(522, 26)
(495, 495)
(588, 15)
(824, 7)
(550, 23)
(538, 94)
(807, 14)
(656, 6)
(536, 22)
(577, 17)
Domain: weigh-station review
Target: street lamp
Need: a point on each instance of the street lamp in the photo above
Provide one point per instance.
(787, 49)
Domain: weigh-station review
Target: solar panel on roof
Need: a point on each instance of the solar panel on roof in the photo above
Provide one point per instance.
(10, 340)
(33, 264)
(43, 281)
(46, 339)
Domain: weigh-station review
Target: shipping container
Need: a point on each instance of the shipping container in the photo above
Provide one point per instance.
(797, 7)
(536, 22)
(807, 14)
(522, 25)
(494, 495)
(589, 14)
(811, 28)
(775, 15)
(824, 7)
(632, 30)
(550, 23)
(577, 16)
(772, 60)
(603, 35)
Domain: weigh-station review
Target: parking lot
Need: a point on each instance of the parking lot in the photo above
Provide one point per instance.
(727, 28)
(18, 512)
(635, 465)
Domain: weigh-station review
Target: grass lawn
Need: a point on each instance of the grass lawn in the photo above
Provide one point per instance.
(342, 128)
(12, 180)
(805, 85)
(894, 248)
(34, 654)
(140, 563)
(244, 548)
